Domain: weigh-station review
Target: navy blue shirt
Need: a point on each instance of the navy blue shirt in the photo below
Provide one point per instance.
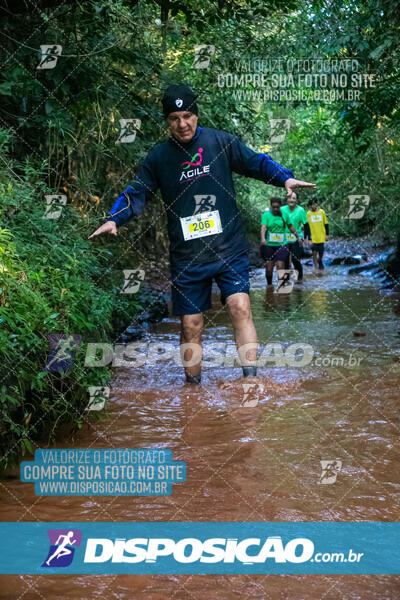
(196, 177)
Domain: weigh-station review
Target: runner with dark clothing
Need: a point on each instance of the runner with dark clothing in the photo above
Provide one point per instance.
(193, 169)
(297, 216)
(275, 229)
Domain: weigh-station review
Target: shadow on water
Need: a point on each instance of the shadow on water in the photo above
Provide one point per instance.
(257, 462)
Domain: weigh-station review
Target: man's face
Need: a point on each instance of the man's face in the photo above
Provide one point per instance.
(314, 206)
(292, 201)
(182, 125)
(275, 208)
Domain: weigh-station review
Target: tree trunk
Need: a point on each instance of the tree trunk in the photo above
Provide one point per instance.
(164, 23)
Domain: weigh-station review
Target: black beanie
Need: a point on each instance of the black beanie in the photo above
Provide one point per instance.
(179, 97)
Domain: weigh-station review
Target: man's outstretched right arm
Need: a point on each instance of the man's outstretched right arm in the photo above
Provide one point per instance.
(132, 200)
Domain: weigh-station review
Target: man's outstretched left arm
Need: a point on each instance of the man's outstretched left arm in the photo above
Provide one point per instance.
(261, 166)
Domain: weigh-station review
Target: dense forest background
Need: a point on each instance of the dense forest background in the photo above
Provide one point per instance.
(59, 132)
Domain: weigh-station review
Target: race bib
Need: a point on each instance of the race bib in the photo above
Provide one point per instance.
(290, 237)
(316, 218)
(275, 237)
(201, 225)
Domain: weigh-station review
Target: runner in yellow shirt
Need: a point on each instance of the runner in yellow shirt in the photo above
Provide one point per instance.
(318, 230)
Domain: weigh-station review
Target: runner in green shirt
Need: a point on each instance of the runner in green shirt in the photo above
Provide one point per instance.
(296, 216)
(274, 230)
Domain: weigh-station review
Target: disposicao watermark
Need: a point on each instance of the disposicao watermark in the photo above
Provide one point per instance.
(199, 548)
(212, 354)
(110, 472)
(307, 79)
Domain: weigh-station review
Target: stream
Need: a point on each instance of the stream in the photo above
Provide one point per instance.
(258, 462)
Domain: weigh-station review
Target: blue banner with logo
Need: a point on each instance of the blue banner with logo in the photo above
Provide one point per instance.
(199, 548)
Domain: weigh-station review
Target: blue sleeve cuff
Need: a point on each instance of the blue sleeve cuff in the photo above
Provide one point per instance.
(115, 219)
(286, 176)
(273, 172)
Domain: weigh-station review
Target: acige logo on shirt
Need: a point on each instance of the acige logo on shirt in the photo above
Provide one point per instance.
(195, 163)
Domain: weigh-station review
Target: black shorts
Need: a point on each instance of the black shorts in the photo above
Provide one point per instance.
(192, 283)
(296, 250)
(274, 253)
(319, 248)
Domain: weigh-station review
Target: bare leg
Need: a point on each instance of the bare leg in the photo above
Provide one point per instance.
(299, 268)
(244, 330)
(315, 259)
(269, 269)
(191, 329)
(280, 264)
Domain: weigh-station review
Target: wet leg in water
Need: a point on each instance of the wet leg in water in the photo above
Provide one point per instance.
(191, 330)
(315, 259)
(244, 330)
(299, 268)
(269, 270)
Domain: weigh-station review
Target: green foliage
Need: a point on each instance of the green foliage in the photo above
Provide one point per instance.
(52, 280)
(321, 148)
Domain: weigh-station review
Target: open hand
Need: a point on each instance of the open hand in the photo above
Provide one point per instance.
(107, 227)
(291, 184)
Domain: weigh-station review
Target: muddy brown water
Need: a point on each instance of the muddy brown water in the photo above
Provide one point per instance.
(259, 463)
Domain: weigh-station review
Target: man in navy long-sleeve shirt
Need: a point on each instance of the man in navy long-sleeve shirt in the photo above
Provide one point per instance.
(193, 169)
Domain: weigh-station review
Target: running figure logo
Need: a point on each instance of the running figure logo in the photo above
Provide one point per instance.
(62, 547)
(286, 279)
(55, 202)
(195, 161)
(251, 394)
(49, 56)
(204, 203)
(202, 56)
(129, 129)
(330, 470)
(62, 351)
(98, 397)
(133, 279)
(357, 207)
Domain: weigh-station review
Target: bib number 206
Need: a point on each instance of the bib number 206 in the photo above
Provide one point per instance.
(201, 225)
